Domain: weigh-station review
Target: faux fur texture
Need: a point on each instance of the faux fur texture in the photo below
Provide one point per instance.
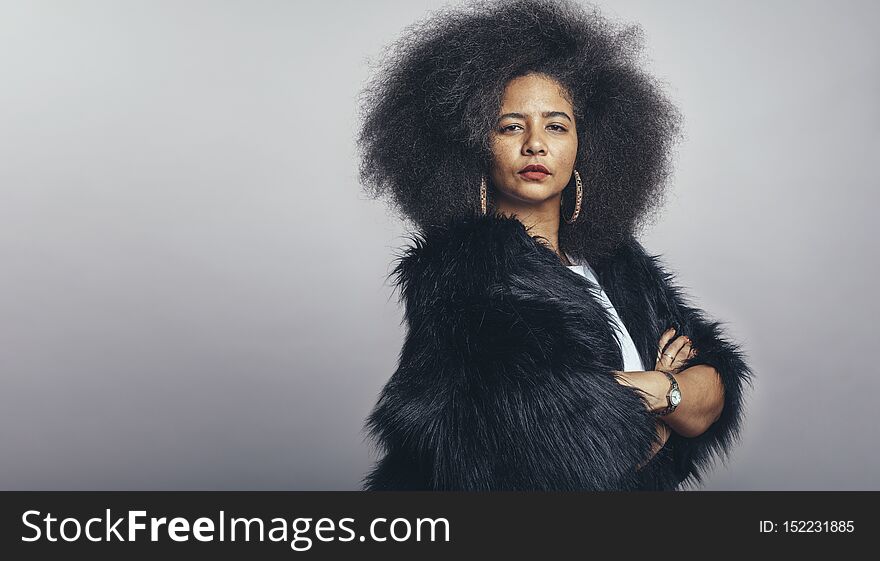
(505, 382)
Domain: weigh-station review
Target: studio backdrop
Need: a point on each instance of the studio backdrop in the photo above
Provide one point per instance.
(193, 289)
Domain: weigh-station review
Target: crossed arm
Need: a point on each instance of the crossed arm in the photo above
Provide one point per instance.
(701, 389)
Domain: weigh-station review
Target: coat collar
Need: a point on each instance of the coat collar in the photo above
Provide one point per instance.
(452, 276)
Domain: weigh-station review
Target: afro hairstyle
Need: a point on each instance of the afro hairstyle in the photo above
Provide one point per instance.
(427, 114)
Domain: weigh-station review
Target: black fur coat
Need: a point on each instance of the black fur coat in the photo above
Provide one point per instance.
(505, 382)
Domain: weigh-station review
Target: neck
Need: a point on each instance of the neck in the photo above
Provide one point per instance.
(540, 219)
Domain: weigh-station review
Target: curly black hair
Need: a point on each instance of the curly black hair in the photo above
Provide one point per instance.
(427, 115)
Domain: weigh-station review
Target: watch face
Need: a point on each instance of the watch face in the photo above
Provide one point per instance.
(675, 397)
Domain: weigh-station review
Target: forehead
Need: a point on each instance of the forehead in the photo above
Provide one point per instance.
(534, 91)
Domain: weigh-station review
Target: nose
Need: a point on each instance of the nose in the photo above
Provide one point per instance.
(534, 144)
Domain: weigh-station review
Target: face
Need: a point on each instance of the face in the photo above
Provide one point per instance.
(535, 126)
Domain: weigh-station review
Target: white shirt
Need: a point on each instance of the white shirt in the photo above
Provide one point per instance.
(631, 360)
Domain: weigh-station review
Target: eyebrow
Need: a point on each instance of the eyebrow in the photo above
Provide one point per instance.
(545, 114)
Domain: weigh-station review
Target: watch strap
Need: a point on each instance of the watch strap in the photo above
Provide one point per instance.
(673, 385)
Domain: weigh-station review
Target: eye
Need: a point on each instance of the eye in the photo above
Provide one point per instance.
(555, 127)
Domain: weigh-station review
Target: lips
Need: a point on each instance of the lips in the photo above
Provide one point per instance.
(536, 168)
(534, 172)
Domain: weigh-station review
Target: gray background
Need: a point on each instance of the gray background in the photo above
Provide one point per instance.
(193, 293)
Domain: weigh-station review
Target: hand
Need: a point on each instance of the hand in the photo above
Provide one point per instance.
(671, 356)
(663, 433)
(652, 386)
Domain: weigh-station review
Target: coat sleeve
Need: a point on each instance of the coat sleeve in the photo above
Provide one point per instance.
(504, 384)
(694, 456)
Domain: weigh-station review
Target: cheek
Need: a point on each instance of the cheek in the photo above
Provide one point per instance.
(569, 148)
(503, 154)
(569, 155)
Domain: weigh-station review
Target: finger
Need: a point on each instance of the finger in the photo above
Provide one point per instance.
(663, 363)
(682, 356)
(667, 355)
(670, 357)
(684, 352)
(675, 346)
(665, 337)
(665, 428)
(663, 432)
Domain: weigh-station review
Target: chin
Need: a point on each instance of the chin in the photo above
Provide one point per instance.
(530, 193)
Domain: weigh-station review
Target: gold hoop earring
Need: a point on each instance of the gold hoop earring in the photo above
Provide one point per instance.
(579, 195)
(483, 194)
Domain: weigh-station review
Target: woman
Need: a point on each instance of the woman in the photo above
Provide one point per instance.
(545, 349)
